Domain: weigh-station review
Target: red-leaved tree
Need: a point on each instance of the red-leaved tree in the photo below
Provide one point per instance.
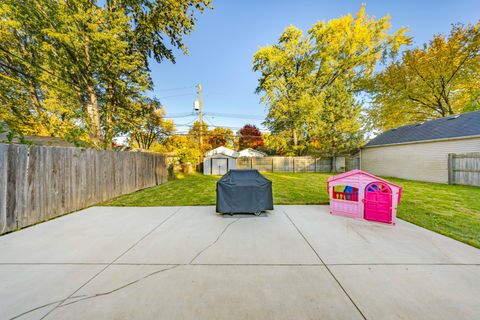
(250, 137)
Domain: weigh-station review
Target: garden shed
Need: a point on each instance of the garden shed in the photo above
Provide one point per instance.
(421, 151)
(219, 160)
(249, 152)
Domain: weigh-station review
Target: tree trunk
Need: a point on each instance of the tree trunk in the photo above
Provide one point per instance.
(39, 125)
(334, 163)
(109, 112)
(334, 155)
(295, 138)
(109, 130)
(93, 118)
(93, 115)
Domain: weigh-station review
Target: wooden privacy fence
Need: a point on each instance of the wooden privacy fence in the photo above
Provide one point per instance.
(40, 183)
(464, 169)
(296, 164)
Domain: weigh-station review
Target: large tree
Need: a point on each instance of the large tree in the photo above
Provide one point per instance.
(199, 134)
(285, 69)
(150, 125)
(221, 137)
(185, 148)
(296, 72)
(249, 136)
(30, 93)
(437, 80)
(335, 125)
(80, 66)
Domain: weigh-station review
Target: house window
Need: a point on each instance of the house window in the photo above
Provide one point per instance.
(347, 193)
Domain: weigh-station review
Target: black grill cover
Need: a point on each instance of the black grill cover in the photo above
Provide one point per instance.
(244, 191)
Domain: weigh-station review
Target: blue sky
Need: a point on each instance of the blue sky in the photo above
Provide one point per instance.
(222, 46)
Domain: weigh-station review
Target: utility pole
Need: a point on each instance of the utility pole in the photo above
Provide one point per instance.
(200, 118)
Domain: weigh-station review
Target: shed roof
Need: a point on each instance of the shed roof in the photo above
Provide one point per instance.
(462, 125)
(249, 152)
(222, 150)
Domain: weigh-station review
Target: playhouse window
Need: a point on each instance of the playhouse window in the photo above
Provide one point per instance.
(347, 193)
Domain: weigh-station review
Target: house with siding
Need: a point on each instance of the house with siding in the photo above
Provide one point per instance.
(421, 151)
(34, 140)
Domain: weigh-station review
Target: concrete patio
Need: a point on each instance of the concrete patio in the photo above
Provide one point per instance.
(296, 262)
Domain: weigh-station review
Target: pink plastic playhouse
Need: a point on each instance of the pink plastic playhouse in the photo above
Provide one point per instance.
(362, 195)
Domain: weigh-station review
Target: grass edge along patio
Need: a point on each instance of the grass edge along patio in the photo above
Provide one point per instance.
(451, 210)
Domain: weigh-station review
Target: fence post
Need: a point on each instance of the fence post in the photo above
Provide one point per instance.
(451, 168)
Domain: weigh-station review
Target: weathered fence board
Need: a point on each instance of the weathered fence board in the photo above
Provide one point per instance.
(40, 183)
(292, 164)
(464, 169)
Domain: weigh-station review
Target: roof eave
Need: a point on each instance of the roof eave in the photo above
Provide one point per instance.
(422, 141)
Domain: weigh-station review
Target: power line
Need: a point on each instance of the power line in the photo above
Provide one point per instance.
(28, 76)
(215, 126)
(188, 124)
(39, 67)
(237, 128)
(235, 115)
(174, 89)
(209, 121)
(216, 114)
(179, 115)
(177, 95)
(187, 134)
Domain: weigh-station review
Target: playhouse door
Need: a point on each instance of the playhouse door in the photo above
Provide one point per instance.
(378, 202)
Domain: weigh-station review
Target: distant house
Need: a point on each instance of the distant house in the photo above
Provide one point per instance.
(420, 151)
(35, 140)
(219, 161)
(249, 152)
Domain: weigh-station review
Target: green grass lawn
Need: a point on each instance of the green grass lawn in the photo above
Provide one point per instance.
(450, 210)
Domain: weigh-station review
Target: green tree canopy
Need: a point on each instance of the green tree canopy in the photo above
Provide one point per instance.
(150, 125)
(300, 73)
(184, 148)
(437, 80)
(221, 137)
(200, 130)
(79, 67)
(335, 125)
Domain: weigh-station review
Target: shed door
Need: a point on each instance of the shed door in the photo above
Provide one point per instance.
(219, 166)
(378, 202)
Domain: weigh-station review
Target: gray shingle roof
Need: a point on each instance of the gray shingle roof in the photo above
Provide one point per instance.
(465, 124)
